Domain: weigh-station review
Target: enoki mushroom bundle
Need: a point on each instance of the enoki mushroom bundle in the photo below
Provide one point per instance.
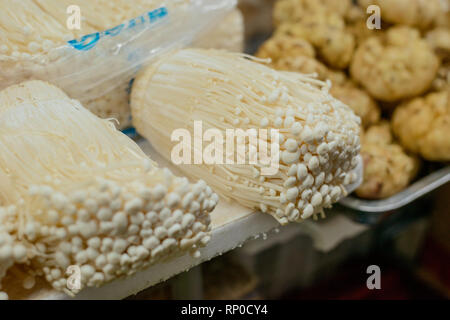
(318, 135)
(75, 191)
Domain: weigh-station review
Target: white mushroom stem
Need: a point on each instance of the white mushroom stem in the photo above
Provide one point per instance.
(75, 191)
(318, 133)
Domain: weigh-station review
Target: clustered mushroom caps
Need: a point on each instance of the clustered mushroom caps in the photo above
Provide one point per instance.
(395, 65)
(359, 101)
(296, 54)
(442, 81)
(443, 19)
(356, 24)
(282, 45)
(439, 40)
(423, 125)
(291, 53)
(406, 58)
(75, 191)
(294, 10)
(319, 135)
(326, 31)
(388, 169)
(414, 13)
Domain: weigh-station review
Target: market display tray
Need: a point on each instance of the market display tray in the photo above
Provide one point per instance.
(413, 192)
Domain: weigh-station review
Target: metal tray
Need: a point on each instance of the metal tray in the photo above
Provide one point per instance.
(410, 194)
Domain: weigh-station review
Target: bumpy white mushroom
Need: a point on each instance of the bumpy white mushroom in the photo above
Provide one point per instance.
(75, 191)
(318, 134)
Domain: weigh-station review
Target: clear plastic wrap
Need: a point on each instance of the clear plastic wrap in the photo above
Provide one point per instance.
(98, 68)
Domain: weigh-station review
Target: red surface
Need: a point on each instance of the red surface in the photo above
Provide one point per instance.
(435, 260)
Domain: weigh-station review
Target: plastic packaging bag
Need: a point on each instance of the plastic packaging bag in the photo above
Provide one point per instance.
(98, 68)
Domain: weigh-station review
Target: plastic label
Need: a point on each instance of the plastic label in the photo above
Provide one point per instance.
(89, 41)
